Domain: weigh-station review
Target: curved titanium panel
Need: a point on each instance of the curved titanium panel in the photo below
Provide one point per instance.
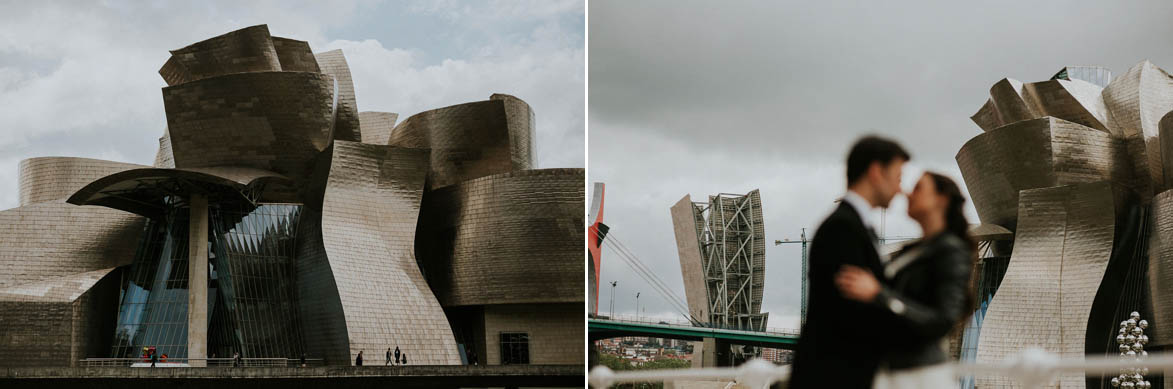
(249, 49)
(54, 178)
(163, 156)
(1008, 99)
(989, 232)
(377, 126)
(295, 55)
(1061, 252)
(1072, 100)
(276, 121)
(70, 316)
(521, 130)
(346, 124)
(987, 116)
(471, 140)
(1138, 99)
(65, 288)
(1075, 101)
(1161, 269)
(360, 286)
(510, 238)
(55, 239)
(1165, 127)
(1037, 153)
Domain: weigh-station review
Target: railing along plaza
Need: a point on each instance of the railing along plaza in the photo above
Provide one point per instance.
(187, 362)
(1031, 367)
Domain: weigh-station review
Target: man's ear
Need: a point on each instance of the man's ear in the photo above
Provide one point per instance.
(875, 170)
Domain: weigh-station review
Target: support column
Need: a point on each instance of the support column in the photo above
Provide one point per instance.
(710, 352)
(197, 282)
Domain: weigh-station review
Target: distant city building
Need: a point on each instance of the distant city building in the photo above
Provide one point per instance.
(778, 356)
(279, 220)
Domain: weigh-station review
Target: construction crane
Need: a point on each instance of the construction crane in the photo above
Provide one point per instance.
(802, 239)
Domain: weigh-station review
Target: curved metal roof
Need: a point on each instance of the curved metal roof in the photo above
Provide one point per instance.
(149, 191)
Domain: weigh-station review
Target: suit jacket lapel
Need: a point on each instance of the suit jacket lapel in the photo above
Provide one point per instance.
(865, 237)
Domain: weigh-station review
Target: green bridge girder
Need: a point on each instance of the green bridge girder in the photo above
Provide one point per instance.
(604, 329)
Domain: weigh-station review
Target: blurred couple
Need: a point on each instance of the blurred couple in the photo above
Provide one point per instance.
(876, 321)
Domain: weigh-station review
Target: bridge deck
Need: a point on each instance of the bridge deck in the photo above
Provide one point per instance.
(603, 329)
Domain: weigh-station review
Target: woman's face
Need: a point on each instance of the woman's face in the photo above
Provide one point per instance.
(924, 199)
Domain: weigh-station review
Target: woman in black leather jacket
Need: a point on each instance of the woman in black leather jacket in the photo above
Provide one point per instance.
(928, 292)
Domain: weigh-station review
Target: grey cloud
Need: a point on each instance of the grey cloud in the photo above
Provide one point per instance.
(707, 97)
(79, 78)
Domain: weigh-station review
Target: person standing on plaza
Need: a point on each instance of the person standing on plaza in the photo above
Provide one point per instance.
(396, 355)
(236, 360)
(358, 359)
(929, 292)
(404, 358)
(837, 330)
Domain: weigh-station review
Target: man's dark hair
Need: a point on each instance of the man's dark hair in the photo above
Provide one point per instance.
(870, 149)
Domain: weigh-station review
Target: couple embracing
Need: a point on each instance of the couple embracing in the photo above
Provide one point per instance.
(877, 321)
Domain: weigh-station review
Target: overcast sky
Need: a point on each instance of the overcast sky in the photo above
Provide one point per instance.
(705, 97)
(80, 78)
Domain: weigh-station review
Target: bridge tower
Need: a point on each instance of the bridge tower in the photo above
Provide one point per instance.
(596, 232)
(722, 249)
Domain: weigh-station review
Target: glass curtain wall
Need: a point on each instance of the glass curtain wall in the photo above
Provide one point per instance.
(252, 307)
(255, 261)
(153, 312)
(991, 270)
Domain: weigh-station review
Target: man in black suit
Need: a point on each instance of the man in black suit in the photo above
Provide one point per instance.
(837, 347)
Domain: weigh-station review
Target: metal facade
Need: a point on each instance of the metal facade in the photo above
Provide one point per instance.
(1070, 166)
(511, 238)
(471, 140)
(1061, 252)
(376, 126)
(311, 235)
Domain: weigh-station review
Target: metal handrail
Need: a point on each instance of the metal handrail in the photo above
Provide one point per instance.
(1030, 367)
(210, 362)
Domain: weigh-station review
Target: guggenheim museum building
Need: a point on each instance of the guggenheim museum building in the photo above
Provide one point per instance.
(278, 221)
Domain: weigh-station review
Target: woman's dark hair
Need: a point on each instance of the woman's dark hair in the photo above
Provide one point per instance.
(956, 224)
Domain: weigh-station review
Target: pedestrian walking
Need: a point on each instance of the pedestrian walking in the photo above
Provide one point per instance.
(358, 359)
(236, 360)
(154, 358)
(388, 358)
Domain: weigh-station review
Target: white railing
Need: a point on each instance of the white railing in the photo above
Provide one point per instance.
(1032, 368)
